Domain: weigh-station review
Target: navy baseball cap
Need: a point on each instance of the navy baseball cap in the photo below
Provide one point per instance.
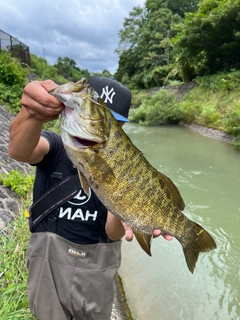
(115, 95)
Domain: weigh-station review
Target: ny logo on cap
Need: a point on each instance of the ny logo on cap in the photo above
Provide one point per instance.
(109, 94)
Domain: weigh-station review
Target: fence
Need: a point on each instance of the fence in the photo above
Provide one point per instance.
(18, 49)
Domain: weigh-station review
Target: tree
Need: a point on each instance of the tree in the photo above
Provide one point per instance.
(181, 6)
(210, 39)
(145, 49)
(65, 66)
(129, 51)
(144, 44)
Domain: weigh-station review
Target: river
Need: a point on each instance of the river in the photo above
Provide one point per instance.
(207, 173)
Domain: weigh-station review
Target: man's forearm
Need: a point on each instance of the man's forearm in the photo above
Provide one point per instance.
(24, 135)
(114, 227)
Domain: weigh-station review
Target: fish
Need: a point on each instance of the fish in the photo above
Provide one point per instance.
(120, 175)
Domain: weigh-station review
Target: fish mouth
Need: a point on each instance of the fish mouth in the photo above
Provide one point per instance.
(77, 132)
(83, 143)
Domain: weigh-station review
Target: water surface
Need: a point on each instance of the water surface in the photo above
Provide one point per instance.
(207, 173)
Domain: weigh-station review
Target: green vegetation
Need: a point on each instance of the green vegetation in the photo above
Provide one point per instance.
(12, 80)
(159, 108)
(208, 41)
(182, 41)
(213, 102)
(13, 271)
(14, 76)
(178, 40)
(63, 71)
(17, 182)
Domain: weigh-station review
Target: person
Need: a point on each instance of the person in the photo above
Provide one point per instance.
(75, 251)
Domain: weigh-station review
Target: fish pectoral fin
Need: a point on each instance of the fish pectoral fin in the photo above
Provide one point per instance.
(144, 239)
(104, 172)
(84, 183)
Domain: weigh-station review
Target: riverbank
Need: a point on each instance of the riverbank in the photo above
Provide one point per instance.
(211, 133)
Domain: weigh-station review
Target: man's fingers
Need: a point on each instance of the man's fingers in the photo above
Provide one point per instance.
(157, 233)
(167, 236)
(128, 231)
(39, 103)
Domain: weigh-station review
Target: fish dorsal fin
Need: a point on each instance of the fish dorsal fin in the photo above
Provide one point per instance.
(144, 239)
(176, 196)
(84, 183)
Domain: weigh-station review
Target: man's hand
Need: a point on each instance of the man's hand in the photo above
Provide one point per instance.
(156, 233)
(38, 107)
(39, 103)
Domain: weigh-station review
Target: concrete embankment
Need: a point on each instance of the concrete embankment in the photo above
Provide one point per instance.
(211, 133)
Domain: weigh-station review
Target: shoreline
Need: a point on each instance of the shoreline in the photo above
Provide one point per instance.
(210, 132)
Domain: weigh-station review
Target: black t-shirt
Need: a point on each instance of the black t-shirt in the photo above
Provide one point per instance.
(82, 219)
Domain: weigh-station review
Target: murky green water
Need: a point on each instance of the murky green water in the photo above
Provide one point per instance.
(207, 173)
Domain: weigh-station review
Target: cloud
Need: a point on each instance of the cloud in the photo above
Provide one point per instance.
(83, 30)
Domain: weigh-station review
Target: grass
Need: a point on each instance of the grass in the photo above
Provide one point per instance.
(13, 241)
(13, 295)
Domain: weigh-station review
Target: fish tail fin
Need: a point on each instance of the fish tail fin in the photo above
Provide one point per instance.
(203, 242)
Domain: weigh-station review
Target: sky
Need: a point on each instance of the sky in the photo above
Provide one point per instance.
(83, 30)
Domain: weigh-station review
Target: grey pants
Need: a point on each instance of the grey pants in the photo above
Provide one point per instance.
(71, 281)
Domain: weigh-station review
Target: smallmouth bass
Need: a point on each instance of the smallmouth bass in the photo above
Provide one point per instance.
(122, 178)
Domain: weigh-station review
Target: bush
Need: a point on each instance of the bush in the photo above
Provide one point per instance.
(44, 71)
(220, 81)
(12, 81)
(190, 111)
(210, 116)
(11, 70)
(138, 115)
(231, 120)
(11, 96)
(161, 108)
(138, 96)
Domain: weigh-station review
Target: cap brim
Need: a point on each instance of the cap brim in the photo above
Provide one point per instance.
(119, 117)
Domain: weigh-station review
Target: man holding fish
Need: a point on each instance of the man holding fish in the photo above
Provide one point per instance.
(74, 249)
